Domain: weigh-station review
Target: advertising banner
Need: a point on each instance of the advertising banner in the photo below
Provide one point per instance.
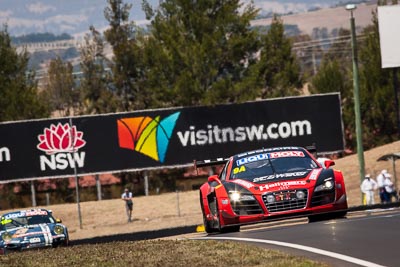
(389, 37)
(165, 138)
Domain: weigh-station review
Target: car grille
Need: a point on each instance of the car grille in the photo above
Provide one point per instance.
(285, 200)
(322, 198)
(246, 207)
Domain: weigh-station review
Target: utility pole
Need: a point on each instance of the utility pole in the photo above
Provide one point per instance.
(357, 111)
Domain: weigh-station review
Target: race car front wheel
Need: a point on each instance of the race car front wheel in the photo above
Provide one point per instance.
(207, 225)
(215, 225)
(225, 229)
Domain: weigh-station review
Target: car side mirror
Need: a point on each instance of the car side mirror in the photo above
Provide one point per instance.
(58, 220)
(328, 163)
(214, 178)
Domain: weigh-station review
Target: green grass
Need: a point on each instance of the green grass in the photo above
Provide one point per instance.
(157, 253)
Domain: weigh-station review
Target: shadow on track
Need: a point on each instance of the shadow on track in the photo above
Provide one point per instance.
(136, 236)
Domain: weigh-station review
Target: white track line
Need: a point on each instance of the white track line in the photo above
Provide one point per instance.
(301, 247)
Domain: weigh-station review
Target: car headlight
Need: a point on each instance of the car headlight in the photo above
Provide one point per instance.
(58, 229)
(6, 236)
(235, 196)
(326, 185)
(300, 194)
(270, 199)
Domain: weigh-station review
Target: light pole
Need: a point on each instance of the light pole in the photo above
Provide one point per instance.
(360, 149)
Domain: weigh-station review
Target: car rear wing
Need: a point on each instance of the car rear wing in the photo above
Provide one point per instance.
(313, 150)
(209, 162)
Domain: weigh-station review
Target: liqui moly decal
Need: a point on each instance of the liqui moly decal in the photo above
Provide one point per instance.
(61, 144)
(250, 159)
(272, 155)
(285, 154)
(35, 212)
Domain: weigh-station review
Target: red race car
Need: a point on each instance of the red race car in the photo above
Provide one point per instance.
(263, 184)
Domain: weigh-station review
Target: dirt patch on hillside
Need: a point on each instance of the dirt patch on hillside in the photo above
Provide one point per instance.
(329, 18)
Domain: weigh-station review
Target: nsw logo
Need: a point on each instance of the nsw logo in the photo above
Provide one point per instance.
(146, 135)
(61, 144)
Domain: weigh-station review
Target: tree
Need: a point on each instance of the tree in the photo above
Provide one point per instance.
(308, 52)
(192, 54)
(197, 51)
(333, 77)
(127, 68)
(340, 48)
(378, 107)
(335, 74)
(377, 101)
(278, 68)
(60, 87)
(97, 96)
(19, 96)
(329, 78)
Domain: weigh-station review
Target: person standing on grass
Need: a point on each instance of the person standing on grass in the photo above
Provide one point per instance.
(368, 187)
(127, 197)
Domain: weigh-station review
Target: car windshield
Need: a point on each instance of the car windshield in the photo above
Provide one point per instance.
(271, 164)
(14, 220)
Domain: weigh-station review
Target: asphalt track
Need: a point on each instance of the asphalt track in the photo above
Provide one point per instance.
(369, 236)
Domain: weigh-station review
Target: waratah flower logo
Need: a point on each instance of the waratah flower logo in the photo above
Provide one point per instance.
(60, 138)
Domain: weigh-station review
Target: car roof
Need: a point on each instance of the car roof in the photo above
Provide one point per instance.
(29, 210)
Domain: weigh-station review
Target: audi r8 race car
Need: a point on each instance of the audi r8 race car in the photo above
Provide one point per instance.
(26, 229)
(264, 184)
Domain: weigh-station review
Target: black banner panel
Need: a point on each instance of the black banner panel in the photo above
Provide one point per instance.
(165, 138)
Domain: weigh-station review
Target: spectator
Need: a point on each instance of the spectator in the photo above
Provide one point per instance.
(127, 197)
(368, 186)
(383, 195)
(389, 187)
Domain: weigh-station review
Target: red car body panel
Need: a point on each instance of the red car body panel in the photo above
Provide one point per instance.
(281, 192)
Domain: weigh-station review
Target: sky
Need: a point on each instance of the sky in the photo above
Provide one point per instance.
(76, 16)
